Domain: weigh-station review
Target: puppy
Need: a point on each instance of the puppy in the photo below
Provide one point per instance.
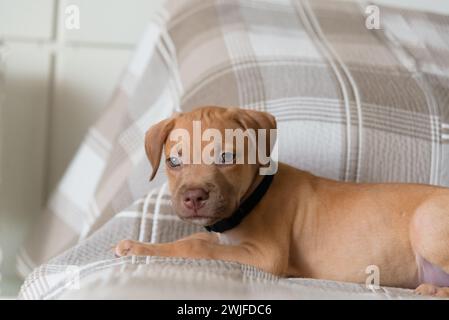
(292, 223)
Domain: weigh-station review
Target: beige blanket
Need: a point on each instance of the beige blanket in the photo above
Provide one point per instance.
(90, 270)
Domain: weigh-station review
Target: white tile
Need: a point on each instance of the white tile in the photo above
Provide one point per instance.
(108, 21)
(26, 19)
(23, 146)
(25, 120)
(84, 82)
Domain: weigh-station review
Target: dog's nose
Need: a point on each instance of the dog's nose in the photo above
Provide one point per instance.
(195, 198)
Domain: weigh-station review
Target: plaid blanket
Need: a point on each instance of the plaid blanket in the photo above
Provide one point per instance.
(90, 270)
(352, 103)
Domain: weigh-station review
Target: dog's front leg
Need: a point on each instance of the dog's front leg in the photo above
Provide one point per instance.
(197, 246)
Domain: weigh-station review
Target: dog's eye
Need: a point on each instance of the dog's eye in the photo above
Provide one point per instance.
(227, 158)
(174, 162)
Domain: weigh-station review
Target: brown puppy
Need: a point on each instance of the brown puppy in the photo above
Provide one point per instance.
(304, 226)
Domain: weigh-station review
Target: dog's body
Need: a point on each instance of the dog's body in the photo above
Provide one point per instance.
(304, 226)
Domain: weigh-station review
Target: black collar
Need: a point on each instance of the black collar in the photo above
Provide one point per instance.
(244, 209)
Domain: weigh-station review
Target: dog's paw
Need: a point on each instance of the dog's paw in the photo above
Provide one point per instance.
(125, 248)
(426, 289)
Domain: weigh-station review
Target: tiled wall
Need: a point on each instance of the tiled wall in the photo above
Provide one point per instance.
(57, 82)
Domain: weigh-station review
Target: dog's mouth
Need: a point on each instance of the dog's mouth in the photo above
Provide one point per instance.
(202, 219)
(195, 216)
(204, 216)
(199, 220)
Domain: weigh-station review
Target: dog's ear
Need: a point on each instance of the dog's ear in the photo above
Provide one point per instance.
(252, 119)
(258, 119)
(154, 142)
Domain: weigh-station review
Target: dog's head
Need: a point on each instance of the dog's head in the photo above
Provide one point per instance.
(209, 173)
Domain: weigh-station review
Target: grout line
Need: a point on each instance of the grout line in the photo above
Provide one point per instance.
(48, 132)
(50, 106)
(53, 44)
(105, 45)
(55, 26)
(2, 115)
